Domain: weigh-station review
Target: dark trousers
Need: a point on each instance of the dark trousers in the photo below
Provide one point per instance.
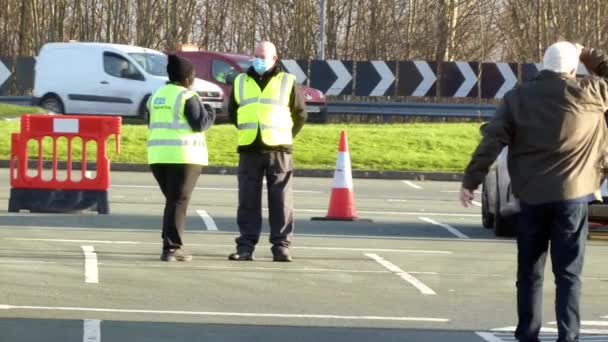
(176, 181)
(565, 226)
(277, 167)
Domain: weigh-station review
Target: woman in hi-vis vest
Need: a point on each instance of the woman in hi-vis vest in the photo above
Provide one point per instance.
(177, 149)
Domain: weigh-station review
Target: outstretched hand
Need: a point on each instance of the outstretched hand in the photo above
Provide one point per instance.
(466, 197)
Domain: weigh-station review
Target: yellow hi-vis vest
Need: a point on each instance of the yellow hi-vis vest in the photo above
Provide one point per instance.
(266, 110)
(170, 137)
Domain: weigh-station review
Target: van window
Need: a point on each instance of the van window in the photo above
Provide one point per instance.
(118, 66)
(220, 70)
(153, 63)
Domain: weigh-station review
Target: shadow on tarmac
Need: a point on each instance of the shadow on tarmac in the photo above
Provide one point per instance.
(30, 330)
(410, 228)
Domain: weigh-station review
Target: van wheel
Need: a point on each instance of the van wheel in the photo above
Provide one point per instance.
(503, 226)
(143, 112)
(53, 104)
(487, 218)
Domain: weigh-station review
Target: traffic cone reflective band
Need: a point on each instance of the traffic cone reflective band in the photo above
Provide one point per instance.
(342, 200)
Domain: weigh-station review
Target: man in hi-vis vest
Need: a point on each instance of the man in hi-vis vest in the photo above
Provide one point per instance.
(268, 111)
(177, 149)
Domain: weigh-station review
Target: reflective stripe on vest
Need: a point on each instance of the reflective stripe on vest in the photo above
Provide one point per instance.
(266, 110)
(171, 139)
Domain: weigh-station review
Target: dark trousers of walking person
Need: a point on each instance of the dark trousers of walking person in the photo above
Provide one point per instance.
(561, 228)
(277, 167)
(176, 181)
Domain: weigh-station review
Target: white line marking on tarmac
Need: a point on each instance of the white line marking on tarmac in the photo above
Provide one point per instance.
(401, 273)
(209, 222)
(596, 323)
(422, 251)
(91, 274)
(447, 227)
(226, 314)
(410, 184)
(396, 200)
(91, 331)
(476, 203)
(489, 337)
(206, 188)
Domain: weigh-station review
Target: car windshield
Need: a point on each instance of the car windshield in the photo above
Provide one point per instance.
(153, 63)
(244, 64)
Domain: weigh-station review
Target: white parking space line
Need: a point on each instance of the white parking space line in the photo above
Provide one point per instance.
(209, 222)
(447, 227)
(595, 323)
(353, 249)
(489, 337)
(206, 188)
(476, 203)
(91, 331)
(227, 314)
(401, 273)
(412, 185)
(91, 273)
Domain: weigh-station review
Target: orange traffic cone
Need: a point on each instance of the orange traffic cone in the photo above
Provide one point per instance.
(342, 200)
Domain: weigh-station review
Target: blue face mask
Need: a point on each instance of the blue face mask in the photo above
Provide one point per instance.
(261, 65)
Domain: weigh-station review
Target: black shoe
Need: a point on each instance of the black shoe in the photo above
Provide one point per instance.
(175, 255)
(241, 256)
(281, 254)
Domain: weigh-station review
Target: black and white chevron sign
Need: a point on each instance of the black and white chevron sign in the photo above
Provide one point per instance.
(417, 78)
(21, 80)
(5, 74)
(299, 68)
(497, 79)
(459, 79)
(332, 77)
(375, 78)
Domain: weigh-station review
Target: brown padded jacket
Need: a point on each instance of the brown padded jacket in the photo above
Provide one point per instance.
(557, 135)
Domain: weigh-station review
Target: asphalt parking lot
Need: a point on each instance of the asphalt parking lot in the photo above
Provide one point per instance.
(423, 270)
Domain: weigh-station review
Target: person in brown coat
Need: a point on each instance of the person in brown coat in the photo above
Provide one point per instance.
(557, 136)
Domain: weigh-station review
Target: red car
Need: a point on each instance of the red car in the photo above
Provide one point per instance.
(222, 68)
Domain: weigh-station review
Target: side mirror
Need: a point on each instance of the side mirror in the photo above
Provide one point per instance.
(230, 78)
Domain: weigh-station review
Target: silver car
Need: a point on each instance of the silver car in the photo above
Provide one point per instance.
(498, 205)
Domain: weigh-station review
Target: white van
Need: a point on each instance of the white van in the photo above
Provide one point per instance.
(95, 78)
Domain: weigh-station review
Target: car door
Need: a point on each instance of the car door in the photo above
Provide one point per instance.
(118, 87)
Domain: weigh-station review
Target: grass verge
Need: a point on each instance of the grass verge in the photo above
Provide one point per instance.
(412, 147)
(8, 111)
